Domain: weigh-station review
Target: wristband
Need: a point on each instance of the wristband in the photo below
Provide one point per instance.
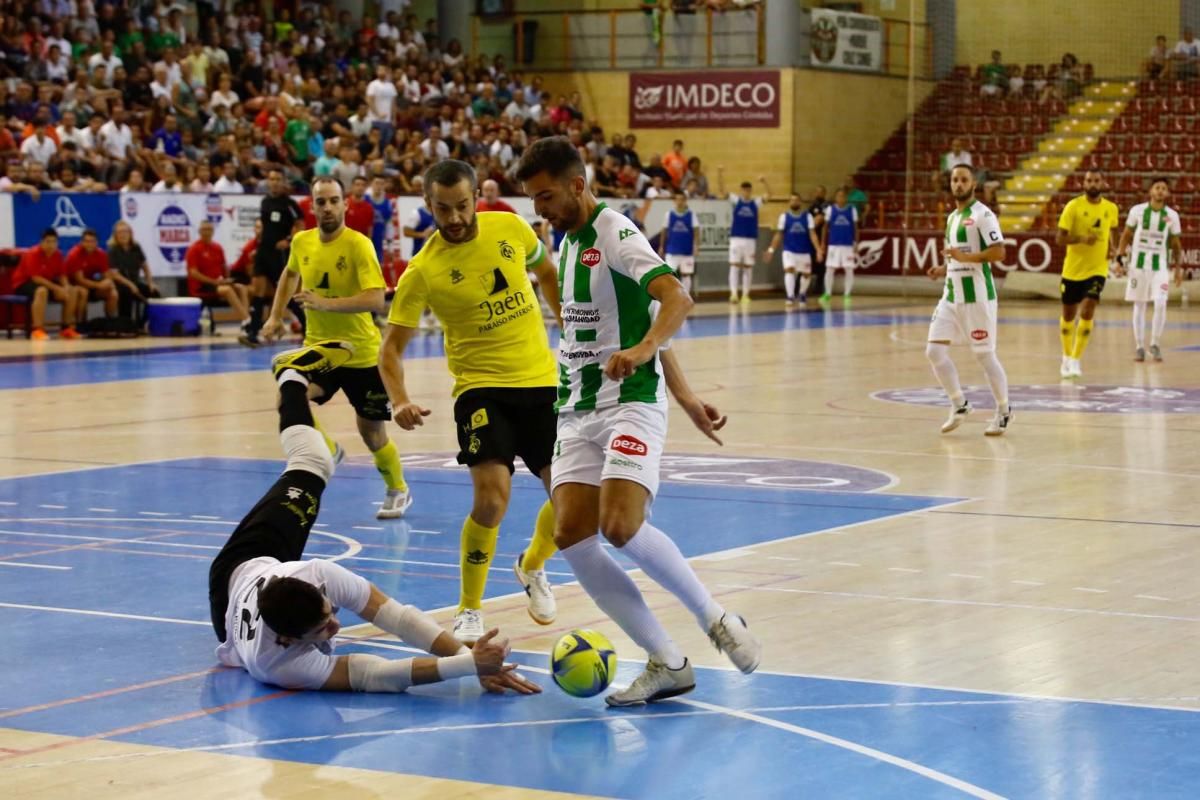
(459, 666)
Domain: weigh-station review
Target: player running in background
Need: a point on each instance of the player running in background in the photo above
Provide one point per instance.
(966, 314)
(680, 240)
(800, 243)
(743, 232)
(275, 615)
(612, 421)
(473, 274)
(342, 287)
(840, 241)
(1154, 229)
(1085, 227)
(383, 209)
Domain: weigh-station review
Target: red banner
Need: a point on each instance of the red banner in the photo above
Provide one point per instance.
(742, 99)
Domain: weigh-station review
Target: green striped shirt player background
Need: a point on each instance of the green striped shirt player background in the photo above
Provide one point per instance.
(972, 230)
(604, 269)
(1152, 231)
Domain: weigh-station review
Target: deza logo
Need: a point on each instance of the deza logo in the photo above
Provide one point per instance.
(590, 257)
(174, 233)
(629, 445)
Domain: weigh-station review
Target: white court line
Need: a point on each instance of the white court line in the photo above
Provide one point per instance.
(50, 505)
(966, 575)
(903, 569)
(784, 558)
(7, 503)
(113, 614)
(31, 566)
(844, 564)
(1029, 583)
(381, 560)
(1089, 589)
(367, 528)
(153, 514)
(437, 533)
(896, 761)
(104, 510)
(202, 516)
(1151, 597)
(947, 602)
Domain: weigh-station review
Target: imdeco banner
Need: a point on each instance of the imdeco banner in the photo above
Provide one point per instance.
(715, 99)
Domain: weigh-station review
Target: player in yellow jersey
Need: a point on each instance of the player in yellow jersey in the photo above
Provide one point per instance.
(472, 272)
(342, 287)
(1084, 227)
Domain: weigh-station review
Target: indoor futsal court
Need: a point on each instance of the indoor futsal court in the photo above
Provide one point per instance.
(942, 615)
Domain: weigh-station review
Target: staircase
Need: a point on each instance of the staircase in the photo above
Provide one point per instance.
(1038, 176)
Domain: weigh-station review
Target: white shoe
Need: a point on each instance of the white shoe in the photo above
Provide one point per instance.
(537, 586)
(1076, 368)
(732, 637)
(395, 504)
(789, 303)
(999, 423)
(468, 625)
(656, 683)
(1065, 370)
(1155, 352)
(339, 453)
(957, 415)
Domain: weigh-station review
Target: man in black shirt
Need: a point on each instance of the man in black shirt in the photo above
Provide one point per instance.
(817, 210)
(281, 217)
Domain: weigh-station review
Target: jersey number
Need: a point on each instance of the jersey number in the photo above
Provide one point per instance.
(247, 629)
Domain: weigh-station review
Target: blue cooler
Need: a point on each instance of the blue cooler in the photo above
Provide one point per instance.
(173, 316)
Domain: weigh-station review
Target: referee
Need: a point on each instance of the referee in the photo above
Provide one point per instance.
(281, 218)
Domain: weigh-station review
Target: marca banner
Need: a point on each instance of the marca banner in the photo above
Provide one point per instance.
(714, 99)
(69, 214)
(846, 41)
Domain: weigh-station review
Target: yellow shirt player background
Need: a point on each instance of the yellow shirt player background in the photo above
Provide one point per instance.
(341, 268)
(482, 295)
(1081, 218)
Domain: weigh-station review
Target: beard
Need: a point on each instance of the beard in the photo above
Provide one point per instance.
(469, 232)
(330, 226)
(1093, 193)
(967, 195)
(570, 216)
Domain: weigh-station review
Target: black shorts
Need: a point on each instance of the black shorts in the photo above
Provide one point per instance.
(501, 424)
(26, 290)
(363, 387)
(1073, 292)
(277, 527)
(269, 264)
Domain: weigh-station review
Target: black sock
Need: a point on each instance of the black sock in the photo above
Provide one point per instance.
(296, 309)
(293, 405)
(258, 305)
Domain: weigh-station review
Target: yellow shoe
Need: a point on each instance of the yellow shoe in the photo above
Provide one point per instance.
(315, 358)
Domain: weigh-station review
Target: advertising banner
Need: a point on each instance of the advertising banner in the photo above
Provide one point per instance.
(713, 99)
(846, 41)
(68, 213)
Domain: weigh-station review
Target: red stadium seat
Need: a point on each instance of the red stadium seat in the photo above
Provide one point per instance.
(1107, 144)
(1148, 122)
(1119, 125)
(1182, 104)
(1120, 163)
(1185, 184)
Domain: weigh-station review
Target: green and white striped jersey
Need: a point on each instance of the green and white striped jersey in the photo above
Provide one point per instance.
(603, 272)
(973, 230)
(1151, 233)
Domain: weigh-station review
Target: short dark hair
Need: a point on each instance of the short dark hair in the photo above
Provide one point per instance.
(87, 231)
(554, 155)
(1161, 179)
(291, 607)
(49, 233)
(746, 185)
(450, 172)
(317, 181)
(967, 167)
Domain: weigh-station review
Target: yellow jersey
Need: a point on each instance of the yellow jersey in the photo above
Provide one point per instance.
(342, 268)
(1079, 218)
(481, 293)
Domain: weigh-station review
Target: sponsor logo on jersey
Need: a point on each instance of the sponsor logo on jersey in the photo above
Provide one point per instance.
(341, 263)
(456, 276)
(629, 445)
(506, 250)
(479, 419)
(979, 334)
(626, 233)
(590, 257)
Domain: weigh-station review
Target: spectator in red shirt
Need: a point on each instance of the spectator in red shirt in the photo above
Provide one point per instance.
(360, 216)
(241, 269)
(490, 201)
(39, 277)
(675, 163)
(310, 218)
(87, 268)
(209, 279)
(270, 120)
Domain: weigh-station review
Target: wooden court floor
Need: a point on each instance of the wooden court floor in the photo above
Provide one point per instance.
(1065, 567)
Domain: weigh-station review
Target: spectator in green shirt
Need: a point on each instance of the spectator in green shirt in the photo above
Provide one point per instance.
(857, 198)
(296, 135)
(995, 78)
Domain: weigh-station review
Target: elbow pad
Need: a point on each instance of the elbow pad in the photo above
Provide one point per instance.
(375, 674)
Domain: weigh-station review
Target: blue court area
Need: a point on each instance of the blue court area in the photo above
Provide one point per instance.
(103, 593)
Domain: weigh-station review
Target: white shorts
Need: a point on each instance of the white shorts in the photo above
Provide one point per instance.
(840, 256)
(1148, 286)
(623, 442)
(965, 323)
(741, 250)
(684, 265)
(797, 261)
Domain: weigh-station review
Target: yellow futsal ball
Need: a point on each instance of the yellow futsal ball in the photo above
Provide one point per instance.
(583, 663)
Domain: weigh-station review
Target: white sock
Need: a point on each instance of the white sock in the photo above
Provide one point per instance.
(1139, 324)
(805, 280)
(1160, 320)
(945, 371)
(789, 284)
(849, 283)
(660, 559)
(617, 596)
(291, 375)
(746, 275)
(830, 279)
(733, 279)
(687, 283)
(306, 450)
(996, 377)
